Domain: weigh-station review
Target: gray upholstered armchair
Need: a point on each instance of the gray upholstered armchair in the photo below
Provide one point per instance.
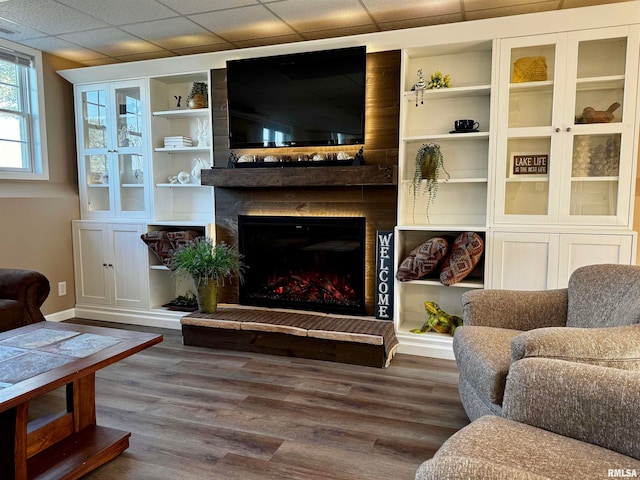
(561, 419)
(594, 320)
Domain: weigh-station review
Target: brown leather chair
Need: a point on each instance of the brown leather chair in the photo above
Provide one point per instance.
(22, 293)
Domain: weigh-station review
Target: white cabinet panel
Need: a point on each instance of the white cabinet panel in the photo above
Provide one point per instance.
(524, 261)
(579, 250)
(542, 261)
(110, 264)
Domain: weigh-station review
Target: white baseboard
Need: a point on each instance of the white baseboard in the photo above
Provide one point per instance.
(60, 316)
(427, 345)
(148, 318)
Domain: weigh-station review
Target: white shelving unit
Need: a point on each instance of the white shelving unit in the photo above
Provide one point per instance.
(461, 203)
(179, 202)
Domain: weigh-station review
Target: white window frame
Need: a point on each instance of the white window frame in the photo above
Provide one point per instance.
(39, 160)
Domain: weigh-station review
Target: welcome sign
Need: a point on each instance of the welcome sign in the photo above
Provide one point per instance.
(384, 274)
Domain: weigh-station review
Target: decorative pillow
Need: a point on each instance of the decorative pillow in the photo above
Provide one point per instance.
(180, 238)
(162, 243)
(463, 258)
(159, 244)
(423, 259)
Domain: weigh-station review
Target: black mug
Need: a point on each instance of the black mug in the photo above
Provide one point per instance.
(466, 125)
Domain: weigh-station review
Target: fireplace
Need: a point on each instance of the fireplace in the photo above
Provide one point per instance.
(303, 263)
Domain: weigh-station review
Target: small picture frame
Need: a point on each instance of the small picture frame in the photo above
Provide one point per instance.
(529, 165)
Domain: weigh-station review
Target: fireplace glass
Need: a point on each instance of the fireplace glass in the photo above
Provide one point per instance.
(303, 263)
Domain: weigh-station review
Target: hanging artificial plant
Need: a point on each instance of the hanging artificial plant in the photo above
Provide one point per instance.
(429, 161)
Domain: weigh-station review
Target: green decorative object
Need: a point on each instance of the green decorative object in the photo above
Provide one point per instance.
(438, 80)
(208, 264)
(429, 161)
(438, 321)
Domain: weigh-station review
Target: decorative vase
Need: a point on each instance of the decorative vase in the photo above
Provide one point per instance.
(197, 101)
(208, 297)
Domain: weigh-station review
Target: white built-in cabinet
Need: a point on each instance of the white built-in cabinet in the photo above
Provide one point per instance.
(564, 184)
(553, 166)
(110, 264)
(112, 144)
(461, 202)
(127, 174)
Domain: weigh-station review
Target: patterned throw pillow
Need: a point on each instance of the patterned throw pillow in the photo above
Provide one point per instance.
(159, 244)
(162, 243)
(463, 258)
(423, 259)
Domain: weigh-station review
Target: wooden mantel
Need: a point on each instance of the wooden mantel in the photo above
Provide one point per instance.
(329, 176)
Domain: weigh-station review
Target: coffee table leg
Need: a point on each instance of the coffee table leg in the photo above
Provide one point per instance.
(13, 442)
(81, 400)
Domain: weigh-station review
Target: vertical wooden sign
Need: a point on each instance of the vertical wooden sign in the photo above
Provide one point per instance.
(384, 274)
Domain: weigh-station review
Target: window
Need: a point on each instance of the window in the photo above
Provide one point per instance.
(22, 152)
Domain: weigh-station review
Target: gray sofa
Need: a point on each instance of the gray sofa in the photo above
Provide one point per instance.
(562, 419)
(594, 320)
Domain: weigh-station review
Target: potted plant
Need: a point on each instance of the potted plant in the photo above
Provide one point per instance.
(429, 161)
(208, 263)
(198, 96)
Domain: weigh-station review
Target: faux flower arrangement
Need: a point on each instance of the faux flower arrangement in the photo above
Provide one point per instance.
(439, 81)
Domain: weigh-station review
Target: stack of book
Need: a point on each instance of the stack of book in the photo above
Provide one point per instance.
(177, 142)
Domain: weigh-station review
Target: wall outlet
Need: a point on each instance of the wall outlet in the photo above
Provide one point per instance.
(62, 289)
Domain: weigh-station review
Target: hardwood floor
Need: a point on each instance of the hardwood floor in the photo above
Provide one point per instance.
(198, 413)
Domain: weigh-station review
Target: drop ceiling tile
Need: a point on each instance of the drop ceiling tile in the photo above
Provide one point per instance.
(258, 42)
(312, 15)
(103, 61)
(189, 7)
(62, 48)
(386, 11)
(145, 56)
(472, 5)
(173, 33)
(589, 3)
(216, 47)
(512, 10)
(339, 32)
(421, 22)
(48, 16)
(111, 41)
(120, 12)
(244, 23)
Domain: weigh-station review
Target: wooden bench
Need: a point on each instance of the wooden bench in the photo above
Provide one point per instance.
(338, 338)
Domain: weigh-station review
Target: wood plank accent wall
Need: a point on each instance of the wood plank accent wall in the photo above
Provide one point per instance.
(376, 203)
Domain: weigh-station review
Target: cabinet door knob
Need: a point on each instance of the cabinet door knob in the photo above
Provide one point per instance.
(568, 129)
(104, 264)
(111, 264)
(557, 129)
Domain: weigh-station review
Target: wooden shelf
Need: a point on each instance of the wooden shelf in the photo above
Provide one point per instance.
(359, 175)
(78, 454)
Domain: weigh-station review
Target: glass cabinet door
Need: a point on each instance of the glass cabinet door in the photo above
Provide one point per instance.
(95, 139)
(129, 148)
(597, 74)
(112, 149)
(527, 144)
(564, 149)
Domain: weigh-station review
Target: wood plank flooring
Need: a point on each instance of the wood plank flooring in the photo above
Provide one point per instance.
(199, 413)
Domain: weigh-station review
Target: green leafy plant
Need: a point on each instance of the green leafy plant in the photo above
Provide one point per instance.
(207, 261)
(429, 161)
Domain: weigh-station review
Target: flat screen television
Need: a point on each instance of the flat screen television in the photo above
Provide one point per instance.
(303, 99)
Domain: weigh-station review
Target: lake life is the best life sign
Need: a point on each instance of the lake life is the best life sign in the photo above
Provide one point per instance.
(529, 164)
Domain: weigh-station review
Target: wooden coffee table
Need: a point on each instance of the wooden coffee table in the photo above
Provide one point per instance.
(39, 358)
